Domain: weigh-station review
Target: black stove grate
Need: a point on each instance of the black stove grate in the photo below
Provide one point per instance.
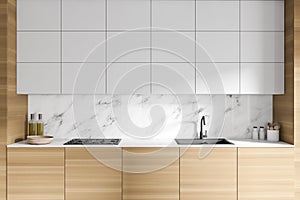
(79, 141)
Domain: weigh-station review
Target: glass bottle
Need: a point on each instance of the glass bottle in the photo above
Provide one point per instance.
(32, 126)
(40, 126)
(255, 133)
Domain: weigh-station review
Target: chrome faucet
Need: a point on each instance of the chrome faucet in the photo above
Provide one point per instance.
(202, 122)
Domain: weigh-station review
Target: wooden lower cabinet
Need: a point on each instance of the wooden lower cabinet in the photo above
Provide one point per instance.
(35, 174)
(208, 173)
(266, 174)
(93, 173)
(150, 174)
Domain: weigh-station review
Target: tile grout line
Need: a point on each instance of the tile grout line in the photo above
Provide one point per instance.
(61, 47)
(151, 49)
(195, 48)
(106, 59)
(240, 46)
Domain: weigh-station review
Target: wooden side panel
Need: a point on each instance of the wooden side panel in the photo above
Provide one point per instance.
(13, 108)
(297, 96)
(153, 179)
(208, 174)
(35, 173)
(283, 105)
(297, 173)
(88, 178)
(266, 173)
(16, 104)
(3, 102)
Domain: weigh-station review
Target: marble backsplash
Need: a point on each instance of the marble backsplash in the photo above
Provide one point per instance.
(154, 116)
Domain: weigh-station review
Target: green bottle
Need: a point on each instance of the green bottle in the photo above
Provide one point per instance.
(40, 126)
(32, 126)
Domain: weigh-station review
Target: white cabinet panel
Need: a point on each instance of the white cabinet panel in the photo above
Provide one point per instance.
(173, 47)
(38, 14)
(83, 47)
(217, 78)
(262, 78)
(38, 47)
(128, 78)
(38, 78)
(128, 47)
(262, 15)
(217, 47)
(83, 14)
(175, 15)
(173, 78)
(83, 78)
(262, 47)
(129, 14)
(217, 15)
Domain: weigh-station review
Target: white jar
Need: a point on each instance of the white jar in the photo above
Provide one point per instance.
(255, 133)
(273, 135)
(262, 133)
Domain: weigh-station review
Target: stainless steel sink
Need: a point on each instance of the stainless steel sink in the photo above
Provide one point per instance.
(207, 141)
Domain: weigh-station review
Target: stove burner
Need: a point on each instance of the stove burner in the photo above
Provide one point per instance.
(79, 141)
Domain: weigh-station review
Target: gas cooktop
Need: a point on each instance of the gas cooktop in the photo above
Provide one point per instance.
(79, 141)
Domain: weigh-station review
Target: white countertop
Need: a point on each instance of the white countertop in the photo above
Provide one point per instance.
(58, 143)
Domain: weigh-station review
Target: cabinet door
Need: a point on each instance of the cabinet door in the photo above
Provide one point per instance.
(217, 78)
(262, 78)
(128, 78)
(266, 173)
(91, 173)
(83, 78)
(38, 78)
(169, 78)
(208, 173)
(149, 174)
(35, 173)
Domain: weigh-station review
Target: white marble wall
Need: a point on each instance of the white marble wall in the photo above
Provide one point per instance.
(155, 116)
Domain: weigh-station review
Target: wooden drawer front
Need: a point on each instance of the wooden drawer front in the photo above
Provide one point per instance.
(35, 174)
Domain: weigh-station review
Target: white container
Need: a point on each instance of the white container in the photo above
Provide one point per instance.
(262, 135)
(273, 135)
(255, 133)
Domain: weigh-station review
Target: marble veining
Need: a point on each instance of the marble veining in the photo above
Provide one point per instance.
(150, 117)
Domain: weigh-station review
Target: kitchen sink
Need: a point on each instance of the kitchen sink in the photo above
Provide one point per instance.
(207, 141)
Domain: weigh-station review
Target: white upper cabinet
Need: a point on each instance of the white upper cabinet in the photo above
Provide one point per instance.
(173, 14)
(43, 15)
(173, 47)
(128, 14)
(217, 47)
(128, 47)
(262, 15)
(83, 15)
(262, 78)
(217, 78)
(38, 47)
(38, 78)
(128, 78)
(262, 46)
(173, 78)
(217, 15)
(83, 78)
(83, 47)
(150, 46)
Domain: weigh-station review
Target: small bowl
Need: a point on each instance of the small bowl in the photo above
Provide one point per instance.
(39, 139)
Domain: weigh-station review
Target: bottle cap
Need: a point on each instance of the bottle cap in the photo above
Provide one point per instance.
(32, 116)
(40, 116)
